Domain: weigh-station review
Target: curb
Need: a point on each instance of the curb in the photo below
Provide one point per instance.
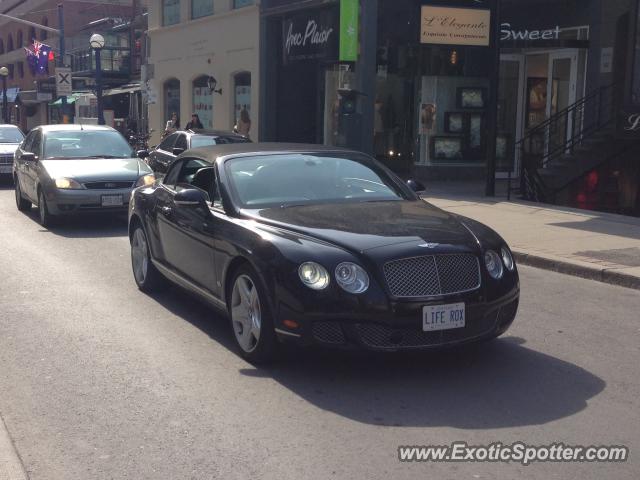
(11, 467)
(591, 273)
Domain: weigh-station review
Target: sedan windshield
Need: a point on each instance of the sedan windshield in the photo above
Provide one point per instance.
(86, 144)
(305, 179)
(10, 135)
(207, 140)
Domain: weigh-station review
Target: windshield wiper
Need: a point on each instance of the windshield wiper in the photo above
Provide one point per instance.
(103, 156)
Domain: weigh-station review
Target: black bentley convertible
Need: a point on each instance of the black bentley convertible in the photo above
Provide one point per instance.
(319, 245)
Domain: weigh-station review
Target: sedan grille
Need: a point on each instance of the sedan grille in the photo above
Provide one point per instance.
(6, 159)
(108, 185)
(433, 275)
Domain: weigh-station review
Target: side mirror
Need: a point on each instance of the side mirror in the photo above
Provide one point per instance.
(28, 157)
(177, 150)
(191, 197)
(142, 154)
(416, 186)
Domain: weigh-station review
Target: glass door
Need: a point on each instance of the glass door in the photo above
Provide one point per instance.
(510, 114)
(561, 83)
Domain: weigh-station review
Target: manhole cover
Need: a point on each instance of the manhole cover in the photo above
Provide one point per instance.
(629, 257)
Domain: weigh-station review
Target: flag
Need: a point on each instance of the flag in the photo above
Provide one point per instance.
(38, 58)
(32, 60)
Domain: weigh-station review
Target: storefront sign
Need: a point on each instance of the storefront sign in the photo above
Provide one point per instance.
(349, 16)
(632, 122)
(508, 33)
(311, 35)
(456, 26)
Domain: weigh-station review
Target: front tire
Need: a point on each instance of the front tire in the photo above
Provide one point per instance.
(22, 204)
(147, 277)
(46, 219)
(251, 318)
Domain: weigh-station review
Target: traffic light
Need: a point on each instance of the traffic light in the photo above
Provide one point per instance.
(348, 101)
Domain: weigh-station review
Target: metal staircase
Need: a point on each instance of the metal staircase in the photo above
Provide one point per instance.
(568, 146)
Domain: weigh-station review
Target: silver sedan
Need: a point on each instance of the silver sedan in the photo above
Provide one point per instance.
(70, 169)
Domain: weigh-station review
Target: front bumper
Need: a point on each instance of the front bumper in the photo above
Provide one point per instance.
(70, 202)
(400, 328)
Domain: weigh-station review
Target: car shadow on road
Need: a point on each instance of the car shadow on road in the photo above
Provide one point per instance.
(496, 385)
(86, 226)
(499, 384)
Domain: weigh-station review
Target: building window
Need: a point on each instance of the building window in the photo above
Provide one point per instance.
(10, 43)
(171, 98)
(11, 70)
(43, 33)
(1, 46)
(242, 3)
(21, 69)
(32, 35)
(203, 101)
(242, 102)
(20, 39)
(201, 8)
(170, 12)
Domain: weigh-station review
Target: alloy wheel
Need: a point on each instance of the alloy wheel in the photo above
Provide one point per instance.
(246, 314)
(140, 256)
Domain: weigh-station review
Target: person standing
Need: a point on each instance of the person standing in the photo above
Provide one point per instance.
(243, 126)
(195, 123)
(173, 124)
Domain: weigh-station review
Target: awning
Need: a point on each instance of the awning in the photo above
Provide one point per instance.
(12, 93)
(120, 90)
(70, 99)
(32, 97)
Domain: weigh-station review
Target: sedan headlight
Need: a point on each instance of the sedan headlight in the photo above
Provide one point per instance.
(507, 259)
(494, 264)
(352, 278)
(146, 180)
(67, 184)
(314, 275)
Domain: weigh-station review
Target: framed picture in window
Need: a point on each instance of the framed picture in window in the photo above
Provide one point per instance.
(472, 98)
(454, 122)
(447, 148)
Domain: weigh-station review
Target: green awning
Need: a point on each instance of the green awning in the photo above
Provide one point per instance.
(70, 99)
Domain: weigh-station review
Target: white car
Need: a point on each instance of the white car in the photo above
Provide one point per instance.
(10, 138)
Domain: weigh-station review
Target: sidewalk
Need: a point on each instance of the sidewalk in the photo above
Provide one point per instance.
(599, 246)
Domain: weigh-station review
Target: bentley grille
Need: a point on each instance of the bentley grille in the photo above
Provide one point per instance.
(6, 159)
(433, 275)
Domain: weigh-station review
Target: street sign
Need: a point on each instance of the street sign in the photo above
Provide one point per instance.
(64, 85)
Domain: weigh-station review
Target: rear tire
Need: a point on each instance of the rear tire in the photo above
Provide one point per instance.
(46, 219)
(22, 204)
(251, 318)
(146, 275)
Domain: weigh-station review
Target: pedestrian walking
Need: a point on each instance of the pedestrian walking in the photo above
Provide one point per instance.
(243, 125)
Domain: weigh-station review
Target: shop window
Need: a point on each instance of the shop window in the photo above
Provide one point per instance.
(242, 3)
(201, 8)
(203, 101)
(19, 39)
(171, 98)
(170, 12)
(43, 33)
(242, 102)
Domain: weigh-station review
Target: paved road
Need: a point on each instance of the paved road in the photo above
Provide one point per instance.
(99, 381)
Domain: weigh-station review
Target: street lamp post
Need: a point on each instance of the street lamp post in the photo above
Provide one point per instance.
(4, 71)
(97, 43)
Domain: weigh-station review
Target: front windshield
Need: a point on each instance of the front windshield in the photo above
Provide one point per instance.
(10, 135)
(86, 144)
(305, 179)
(206, 140)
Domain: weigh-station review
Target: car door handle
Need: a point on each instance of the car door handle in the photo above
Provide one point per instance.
(166, 211)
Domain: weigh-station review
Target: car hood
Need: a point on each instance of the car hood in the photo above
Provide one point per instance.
(366, 226)
(94, 169)
(6, 148)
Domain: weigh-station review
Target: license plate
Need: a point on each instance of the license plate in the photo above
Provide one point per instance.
(443, 317)
(6, 168)
(112, 201)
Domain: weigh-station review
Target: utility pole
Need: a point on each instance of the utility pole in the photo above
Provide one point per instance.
(61, 59)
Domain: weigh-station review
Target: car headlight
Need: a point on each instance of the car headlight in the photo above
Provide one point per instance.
(494, 264)
(314, 275)
(146, 180)
(352, 278)
(507, 259)
(67, 184)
